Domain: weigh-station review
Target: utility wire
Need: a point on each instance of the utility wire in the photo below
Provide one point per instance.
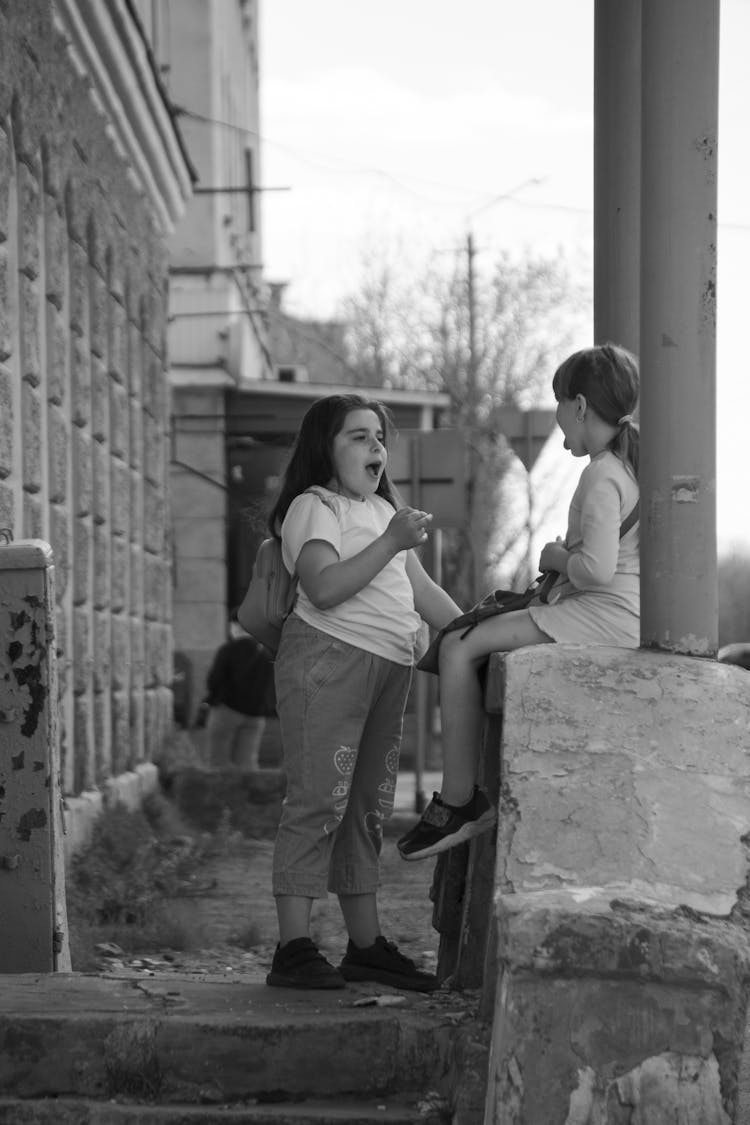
(183, 111)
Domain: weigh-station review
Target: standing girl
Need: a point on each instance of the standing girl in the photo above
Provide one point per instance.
(343, 671)
(597, 594)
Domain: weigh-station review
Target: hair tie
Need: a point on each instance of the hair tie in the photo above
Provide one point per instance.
(625, 420)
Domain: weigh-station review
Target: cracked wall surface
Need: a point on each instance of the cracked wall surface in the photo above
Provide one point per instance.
(33, 923)
(620, 887)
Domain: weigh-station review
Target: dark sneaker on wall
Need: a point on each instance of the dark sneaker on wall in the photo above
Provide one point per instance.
(444, 826)
(382, 962)
(300, 964)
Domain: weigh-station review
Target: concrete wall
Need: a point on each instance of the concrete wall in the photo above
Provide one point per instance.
(83, 393)
(620, 882)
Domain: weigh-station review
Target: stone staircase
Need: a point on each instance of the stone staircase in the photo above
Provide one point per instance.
(91, 1050)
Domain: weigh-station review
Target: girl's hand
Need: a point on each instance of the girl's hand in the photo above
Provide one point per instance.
(554, 556)
(408, 528)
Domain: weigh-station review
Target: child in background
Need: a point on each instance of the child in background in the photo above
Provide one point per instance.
(343, 672)
(596, 597)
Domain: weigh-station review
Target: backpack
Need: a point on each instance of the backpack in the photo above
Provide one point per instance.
(269, 598)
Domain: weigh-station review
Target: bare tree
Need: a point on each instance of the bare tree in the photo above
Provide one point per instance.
(490, 340)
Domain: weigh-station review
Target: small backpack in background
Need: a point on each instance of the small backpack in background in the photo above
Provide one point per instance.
(269, 598)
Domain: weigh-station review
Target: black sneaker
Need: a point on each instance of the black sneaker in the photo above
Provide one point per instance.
(443, 826)
(300, 964)
(383, 963)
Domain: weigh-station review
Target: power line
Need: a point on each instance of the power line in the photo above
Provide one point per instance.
(353, 169)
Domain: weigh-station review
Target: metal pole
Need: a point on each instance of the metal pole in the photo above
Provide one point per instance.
(617, 171)
(420, 701)
(678, 325)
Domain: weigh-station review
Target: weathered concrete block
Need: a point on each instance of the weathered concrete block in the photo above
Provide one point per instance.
(57, 444)
(33, 515)
(83, 651)
(99, 398)
(101, 481)
(98, 311)
(154, 449)
(102, 567)
(136, 578)
(620, 882)
(135, 361)
(120, 497)
(83, 473)
(156, 587)
(136, 435)
(136, 507)
(58, 350)
(59, 537)
(29, 214)
(154, 518)
(82, 559)
(7, 506)
(32, 447)
(120, 732)
(117, 352)
(79, 288)
(6, 322)
(83, 719)
(102, 712)
(102, 650)
(55, 252)
(120, 587)
(6, 171)
(6, 421)
(120, 651)
(31, 366)
(119, 421)
(80, 377)
(614, 758)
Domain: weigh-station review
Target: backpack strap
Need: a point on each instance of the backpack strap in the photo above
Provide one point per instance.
(631, 519)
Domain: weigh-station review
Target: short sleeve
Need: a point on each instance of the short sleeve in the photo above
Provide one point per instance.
(308, 518)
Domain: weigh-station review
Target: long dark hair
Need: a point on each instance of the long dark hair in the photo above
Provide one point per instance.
(311, 461)
(607, 376)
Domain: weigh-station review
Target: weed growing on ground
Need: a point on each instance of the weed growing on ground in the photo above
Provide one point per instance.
(117, 887)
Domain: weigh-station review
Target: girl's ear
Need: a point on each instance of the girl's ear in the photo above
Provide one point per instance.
(580, 407)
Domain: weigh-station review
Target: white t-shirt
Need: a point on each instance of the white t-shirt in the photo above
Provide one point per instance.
(379, 618)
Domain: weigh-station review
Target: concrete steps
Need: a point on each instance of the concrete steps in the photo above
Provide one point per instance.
(92, 1050)
(76, 1111)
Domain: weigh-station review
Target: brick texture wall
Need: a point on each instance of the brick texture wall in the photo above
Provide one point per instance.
(84, 397)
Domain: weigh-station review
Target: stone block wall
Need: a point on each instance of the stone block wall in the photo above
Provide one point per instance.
(84, 411)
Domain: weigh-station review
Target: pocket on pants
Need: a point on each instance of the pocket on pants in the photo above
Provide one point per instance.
(326, 666)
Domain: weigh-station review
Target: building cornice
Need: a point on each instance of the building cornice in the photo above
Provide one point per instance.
(108, 50)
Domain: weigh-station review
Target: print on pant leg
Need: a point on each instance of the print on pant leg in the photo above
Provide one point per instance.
(344, 759)
(374, 820)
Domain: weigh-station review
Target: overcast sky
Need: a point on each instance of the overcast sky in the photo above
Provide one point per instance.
(413, 121)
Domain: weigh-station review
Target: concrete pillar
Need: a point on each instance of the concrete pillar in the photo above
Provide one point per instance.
(617, 172)
(33, 921)
(678, 325)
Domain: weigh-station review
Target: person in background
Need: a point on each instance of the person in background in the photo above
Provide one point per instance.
(240, 697)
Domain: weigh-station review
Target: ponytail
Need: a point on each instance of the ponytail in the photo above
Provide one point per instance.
(626, 444)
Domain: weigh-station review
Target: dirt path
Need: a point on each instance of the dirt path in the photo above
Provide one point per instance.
(233, 914)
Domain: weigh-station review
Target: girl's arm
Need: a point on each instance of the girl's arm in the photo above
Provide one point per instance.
(594, 561)
(328, 580)
(430, 600)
